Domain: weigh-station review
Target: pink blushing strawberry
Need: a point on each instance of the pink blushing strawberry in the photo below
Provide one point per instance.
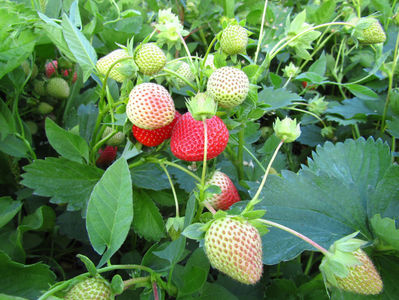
(228, 195)
(51, 68)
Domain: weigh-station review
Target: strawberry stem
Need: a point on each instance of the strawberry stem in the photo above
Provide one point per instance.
(157, 161)
(181, 77)
(297, 234)
(254, 200)
(261, 32)
(173, 189)
(204, 164)
(130, 282)
(209, 207)
(190, 58)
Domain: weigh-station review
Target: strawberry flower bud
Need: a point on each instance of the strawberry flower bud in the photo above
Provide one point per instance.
(169, 27)
(291, 70)
(287, 130)
(317, 105)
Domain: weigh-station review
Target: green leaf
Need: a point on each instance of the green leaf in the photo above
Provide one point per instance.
(67, 144)
(192, 277)
(91, 268)
(42, 219)
(382, 201)
(7, 123)
(110, 210)
(149, 176)
(54, 33)
(311, 77)
(82, 50)
(63, 180)
(321, 13)
(87, 117)
(272, 99)
(194, 231)
(320, 65)
(352, 108)
(14, 146)
(147, 221)
(385, 230)
(17, 35)
(393, 127)
(362, 91)
(28, 281)
(173, 252)
(333, 194)
(8, 209)
(7, 297)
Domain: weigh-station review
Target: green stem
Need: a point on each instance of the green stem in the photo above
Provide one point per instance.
(393, 148)
(130, 282)
(390, 84)
(173, 189)
(240, 153)
(309, 264)
(255, 198)
(157, 161)
(307, 112)
(191, 59)
(252, 156)
(297, 234)
(261, 32)
(273, 54)
(181, 77)
(204, 162)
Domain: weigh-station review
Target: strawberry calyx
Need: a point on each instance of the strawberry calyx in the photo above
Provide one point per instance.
(202, 106)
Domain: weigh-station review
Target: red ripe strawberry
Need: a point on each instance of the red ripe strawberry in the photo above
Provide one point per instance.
(51, 67)
(228, 195)
(187, 141)
(65, 73)
(107, 156)
(234, 247)
(150, 106)
(155, 137)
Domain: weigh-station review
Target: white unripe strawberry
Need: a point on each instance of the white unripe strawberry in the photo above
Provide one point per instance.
(229, 86)
(235, 248)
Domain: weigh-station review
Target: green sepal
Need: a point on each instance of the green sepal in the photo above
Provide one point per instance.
(260, 226)
(255, 214)
(194, 231)
(202, 106)
(91, 268)
(117, 285)
(174, 227)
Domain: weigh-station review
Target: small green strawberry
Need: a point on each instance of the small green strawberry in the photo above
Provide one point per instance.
(234, 39)
(27, 70)
(229, 86)
(104, 63)
(150, 59)
(58, 88)
(44, 108)
(95, 288)
(150, 106)
(348, 267)
(234, 247)
(373, 34)
(184, 70)
(39, 86)
(117, 139)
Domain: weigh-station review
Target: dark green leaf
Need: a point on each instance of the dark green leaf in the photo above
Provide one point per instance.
(173, 252)
(27, 281)
(63, 180)
(42, 219)
(82, 50)
(110, 210)
(7, 123)
(385, 230)
(14, 146)
(362, 91)
(67, 144)
(8, 209)
(393, 127)
(351, 108)
(193, 277)
(87, 117)
(273, 99)
(149, 176)
(73, 226)
(147, 221)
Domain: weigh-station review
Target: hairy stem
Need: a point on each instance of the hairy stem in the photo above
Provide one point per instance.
(261, 32)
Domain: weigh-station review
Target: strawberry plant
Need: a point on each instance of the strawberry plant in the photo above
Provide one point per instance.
(199, 149)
